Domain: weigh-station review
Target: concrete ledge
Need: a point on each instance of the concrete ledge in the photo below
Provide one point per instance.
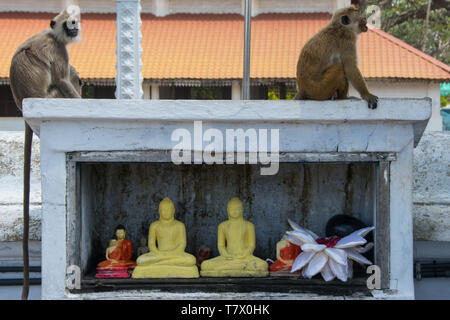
(11, 254)
(250, 110)
(405, 110)
(160, 295)
(432, 250)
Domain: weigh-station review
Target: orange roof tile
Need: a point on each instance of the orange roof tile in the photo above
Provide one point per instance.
(206, 46)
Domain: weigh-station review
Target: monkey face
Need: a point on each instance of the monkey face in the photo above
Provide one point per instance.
(71, 27)
(66, 26)
(350, 18)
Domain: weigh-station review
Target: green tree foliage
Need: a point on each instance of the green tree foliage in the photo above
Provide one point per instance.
(406, 20)
(274, 93)
(444, 101)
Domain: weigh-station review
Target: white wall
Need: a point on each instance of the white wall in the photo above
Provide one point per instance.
(386, 89)
(290, 6)
(30, 5)
(164, 7)
(100, 6)
(204, 6)
(431, 187)
(11, 190)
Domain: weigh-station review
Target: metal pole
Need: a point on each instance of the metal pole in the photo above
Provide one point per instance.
(247, 42)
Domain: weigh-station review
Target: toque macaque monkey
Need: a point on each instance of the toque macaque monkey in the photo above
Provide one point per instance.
(40, 69)
(328, 61)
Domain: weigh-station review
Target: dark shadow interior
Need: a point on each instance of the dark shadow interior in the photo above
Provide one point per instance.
(129, 194)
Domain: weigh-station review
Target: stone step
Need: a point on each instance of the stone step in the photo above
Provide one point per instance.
(11, 254)
(18, 275)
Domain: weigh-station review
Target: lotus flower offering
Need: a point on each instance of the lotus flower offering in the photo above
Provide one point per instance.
(333, 257)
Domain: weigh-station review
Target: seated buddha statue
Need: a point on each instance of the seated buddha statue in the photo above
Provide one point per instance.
(236, 243)
(118, 256)
(167, 242)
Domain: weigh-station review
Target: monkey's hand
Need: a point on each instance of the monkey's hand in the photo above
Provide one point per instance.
(372, 101)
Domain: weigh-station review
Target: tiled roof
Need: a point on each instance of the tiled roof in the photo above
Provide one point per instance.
(206, 46)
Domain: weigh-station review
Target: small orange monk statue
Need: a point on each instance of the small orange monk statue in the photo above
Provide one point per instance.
(118, 261)
(286, 254)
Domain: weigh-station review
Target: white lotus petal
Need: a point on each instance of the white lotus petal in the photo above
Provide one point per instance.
(316, 264)
(296, 227)
(327, 274)
(339, 270)
(303, 236)
(304, 273)
(315, 236)
(352, 240)
(362, 232)
(301, 260)
(350, 269)
(294, 240)
(364, 249)
(352, 254)
(338, 255)
(313, 247)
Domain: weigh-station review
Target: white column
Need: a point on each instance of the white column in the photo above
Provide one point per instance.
(53, 261)
(147, 91)
(236, 90)
(155, 92)
(129, 64)
(401, 222)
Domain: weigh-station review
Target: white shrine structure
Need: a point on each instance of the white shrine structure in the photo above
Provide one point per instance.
(94, 149)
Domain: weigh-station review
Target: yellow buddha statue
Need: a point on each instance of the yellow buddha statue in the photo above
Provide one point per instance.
(167, 242)
(236, 243)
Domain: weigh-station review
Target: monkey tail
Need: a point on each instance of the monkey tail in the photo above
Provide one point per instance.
(26, 209)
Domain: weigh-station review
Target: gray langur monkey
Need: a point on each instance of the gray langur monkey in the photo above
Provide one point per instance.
(40, 69)
(75, 80)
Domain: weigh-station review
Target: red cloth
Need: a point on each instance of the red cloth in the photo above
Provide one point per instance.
(289, 253)
(115, 274)
(122, 255)
(329, 242)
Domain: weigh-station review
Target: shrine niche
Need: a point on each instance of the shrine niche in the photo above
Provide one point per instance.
(132, 192)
